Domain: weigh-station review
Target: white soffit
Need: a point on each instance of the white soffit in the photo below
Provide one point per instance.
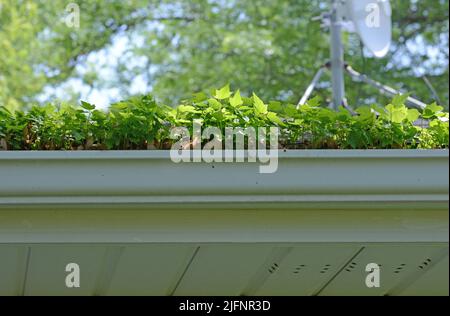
(224, 269)
(398, 263)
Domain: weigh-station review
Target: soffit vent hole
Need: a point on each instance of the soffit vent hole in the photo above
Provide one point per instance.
(325, 269)
(273, 268)
(298, 269)
(400, 268)
(425, 263)
(351, 267)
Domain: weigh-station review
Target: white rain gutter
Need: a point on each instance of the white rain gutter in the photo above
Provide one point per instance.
(330, 179)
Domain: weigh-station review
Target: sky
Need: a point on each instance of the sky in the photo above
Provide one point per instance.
(104, 62)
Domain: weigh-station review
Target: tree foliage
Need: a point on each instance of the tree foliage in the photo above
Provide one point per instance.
(272, 48)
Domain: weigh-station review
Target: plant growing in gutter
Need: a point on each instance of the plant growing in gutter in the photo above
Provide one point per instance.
(140, 123)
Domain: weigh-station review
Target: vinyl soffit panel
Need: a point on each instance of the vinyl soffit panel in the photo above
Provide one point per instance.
(397, 263)
(433, 282)
(224, 269)
(149, 269)
(46, 272)
(13, 265)
(303, 270)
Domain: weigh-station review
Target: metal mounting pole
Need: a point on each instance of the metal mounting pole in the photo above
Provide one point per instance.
(337, 57)
(311, 87)
(410, 101)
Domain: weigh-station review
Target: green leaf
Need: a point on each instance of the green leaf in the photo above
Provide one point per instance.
(119, 106)
(87, 106)
(434, 108)
(187, 109)
(125, 115)
(248, 102)
(223, 93)
(343, 115)
(431, 111)
(399, 100)
(273, 117)
(297, 122)
(200, 97)
(236, 100)
(397, 114)
(275, 106)
(413, 115)
(216, 105)
(435, 123)
(98, 115)
(259, 106)
(365, 113)
(314, 102)
(290, 110)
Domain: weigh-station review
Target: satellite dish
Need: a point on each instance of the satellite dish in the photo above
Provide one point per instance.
(372, 20)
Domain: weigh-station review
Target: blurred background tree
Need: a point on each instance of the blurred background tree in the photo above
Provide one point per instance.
(172, 48)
